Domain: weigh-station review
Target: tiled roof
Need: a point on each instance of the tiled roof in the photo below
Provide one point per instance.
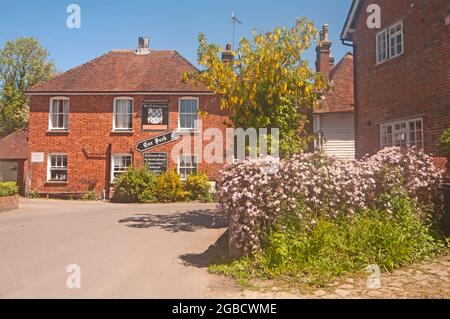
(124, 71)
(340, 97)
(14, 146)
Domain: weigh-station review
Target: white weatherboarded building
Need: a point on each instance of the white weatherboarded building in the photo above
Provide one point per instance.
(334, 116)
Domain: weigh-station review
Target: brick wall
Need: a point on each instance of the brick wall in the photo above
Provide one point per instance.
(415, 84)
(90, 127)
(9, 203)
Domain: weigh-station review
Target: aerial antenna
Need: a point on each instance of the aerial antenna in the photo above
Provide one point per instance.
(234, 20)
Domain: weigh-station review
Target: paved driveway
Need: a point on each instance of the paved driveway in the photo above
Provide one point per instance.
(124, 251)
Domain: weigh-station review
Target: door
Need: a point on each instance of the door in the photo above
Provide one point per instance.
(8, 171)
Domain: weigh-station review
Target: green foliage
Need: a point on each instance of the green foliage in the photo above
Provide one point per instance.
(23, 63)
(390, 239)
(132, 183)
(34, 194)
(210, 197)
(169, 188)
(8, 189)
(268, 84)
(445, 142)
(198, 186)
(140, 185)
(90, 196)
(148, 196)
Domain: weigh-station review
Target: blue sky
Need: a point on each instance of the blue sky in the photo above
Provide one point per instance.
(170, 24)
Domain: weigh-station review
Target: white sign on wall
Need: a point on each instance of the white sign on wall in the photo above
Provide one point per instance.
(37, 157)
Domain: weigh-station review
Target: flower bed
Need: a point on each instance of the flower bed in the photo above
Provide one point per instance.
(314, 186)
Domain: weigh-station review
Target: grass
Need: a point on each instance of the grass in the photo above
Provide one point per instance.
(335, 248)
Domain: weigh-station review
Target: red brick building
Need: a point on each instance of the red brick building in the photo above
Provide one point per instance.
(86, 124)
(402, 73)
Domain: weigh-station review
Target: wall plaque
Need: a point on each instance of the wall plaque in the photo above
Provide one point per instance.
(155, 116)
(156, 162)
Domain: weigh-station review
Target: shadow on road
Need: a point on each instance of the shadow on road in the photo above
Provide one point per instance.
(178, 221)
(218, 252)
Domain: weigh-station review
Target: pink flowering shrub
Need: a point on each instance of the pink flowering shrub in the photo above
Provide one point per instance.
(312, 186)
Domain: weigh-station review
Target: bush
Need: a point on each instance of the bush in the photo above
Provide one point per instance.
(198, 186)
(34, 194)
(445, 142)
(8, 189)
(132, 183)
(334, 247)
(90, 196)
(148, 196)
(169, 188)
(315, 186)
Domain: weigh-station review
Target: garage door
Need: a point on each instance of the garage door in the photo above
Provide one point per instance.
(338, 134)
(8, 171)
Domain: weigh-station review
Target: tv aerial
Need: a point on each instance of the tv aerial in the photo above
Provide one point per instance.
(235, 21)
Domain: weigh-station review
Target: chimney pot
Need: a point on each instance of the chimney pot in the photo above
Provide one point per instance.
(324, 33)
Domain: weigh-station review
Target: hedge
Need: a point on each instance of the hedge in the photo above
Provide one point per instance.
(8, 189)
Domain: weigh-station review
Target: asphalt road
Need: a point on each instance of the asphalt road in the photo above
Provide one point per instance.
(122, 250)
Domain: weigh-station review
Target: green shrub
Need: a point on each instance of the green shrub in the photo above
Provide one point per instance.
(8, 189)
(90, 196)
(148, 196)
(445, 142)
(132, 183)
(198, 186)
(34, 194)
(209, 197)
(389, 238)
(169, 188)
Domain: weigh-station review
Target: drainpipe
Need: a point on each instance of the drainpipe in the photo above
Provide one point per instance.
(355, 85)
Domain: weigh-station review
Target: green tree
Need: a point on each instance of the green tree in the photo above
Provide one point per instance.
(268, 84)
(23, 63)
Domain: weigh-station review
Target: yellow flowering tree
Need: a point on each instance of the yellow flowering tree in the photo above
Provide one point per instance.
(267, 84)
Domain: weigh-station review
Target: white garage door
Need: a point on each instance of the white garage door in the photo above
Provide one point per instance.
(338, 134)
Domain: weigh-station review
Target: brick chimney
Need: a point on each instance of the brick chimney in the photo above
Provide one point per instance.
(324, 60)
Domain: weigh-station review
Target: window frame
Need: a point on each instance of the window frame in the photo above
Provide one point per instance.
(407, 132)
(50, 113)
(112, 163)
(49, 168)
(179, 165)
(127, 98)
(388, 37)
(186, 129)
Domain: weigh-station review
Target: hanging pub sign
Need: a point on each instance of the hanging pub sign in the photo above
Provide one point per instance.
(156, 141)
(156, 162)
(155, 116)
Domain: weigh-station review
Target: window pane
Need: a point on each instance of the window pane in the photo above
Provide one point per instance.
(419, 125)
(123, 116)
(55, 106)
(189, 121)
